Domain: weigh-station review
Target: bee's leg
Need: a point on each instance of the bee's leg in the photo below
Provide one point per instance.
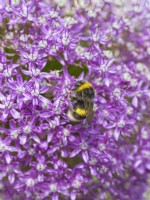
(73, 100)
(71, 96)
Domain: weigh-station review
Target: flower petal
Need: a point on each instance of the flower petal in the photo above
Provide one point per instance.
(11, 178)
(85, 156)
(74, 153)
(15, 114)
(117, 134)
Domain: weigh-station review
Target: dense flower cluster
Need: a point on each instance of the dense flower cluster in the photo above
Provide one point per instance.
(46, 46)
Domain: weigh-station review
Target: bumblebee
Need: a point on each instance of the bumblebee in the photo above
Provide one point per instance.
(82, 102)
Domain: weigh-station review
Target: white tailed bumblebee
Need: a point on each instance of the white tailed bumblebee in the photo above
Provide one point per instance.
(82, 101)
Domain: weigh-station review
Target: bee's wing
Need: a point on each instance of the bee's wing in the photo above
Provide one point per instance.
(89, 107)
(89, 112)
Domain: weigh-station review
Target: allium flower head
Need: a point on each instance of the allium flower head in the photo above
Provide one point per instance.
(46, 47)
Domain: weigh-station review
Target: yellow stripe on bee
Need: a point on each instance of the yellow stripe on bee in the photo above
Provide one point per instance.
(81, 112)
(84, 86)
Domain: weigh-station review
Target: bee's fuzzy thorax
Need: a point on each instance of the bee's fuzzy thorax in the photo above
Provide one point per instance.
(84, 85)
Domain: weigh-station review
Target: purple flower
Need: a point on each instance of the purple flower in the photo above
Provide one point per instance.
(46, 47)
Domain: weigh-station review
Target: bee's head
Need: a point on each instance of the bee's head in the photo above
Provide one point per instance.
(78, 83)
